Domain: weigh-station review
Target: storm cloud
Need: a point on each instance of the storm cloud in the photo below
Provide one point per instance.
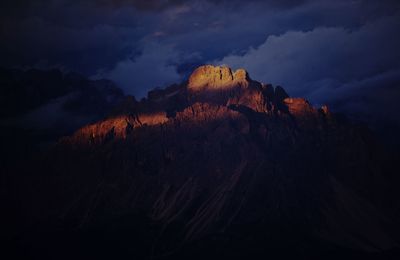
(329, 52)
(310, 63)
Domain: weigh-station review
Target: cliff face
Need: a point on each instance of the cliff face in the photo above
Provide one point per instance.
(210, 78)
(224, 162)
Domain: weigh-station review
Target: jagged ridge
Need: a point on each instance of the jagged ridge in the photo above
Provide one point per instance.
(207, 84)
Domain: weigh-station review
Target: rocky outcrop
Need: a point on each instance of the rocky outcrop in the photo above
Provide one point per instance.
(114, 128)
(211, 78)
(100, 132)
(299, 106)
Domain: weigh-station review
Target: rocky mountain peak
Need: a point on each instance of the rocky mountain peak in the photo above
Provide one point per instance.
(210, 77)
(208, 86)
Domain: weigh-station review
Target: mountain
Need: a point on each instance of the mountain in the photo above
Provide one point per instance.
(220, 166)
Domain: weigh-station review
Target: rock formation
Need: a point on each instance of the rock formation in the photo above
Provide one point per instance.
(211, 78)
(223, 166)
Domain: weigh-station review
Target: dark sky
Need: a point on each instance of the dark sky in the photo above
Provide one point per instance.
(344, 53)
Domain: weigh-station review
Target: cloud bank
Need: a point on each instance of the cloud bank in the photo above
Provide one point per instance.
(341, 67)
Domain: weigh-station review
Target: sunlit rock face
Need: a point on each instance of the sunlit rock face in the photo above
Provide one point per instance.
(299, 106)
(222, 86)
(119, 127)
(211, 78)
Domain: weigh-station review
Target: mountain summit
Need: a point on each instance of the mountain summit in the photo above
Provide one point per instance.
(210, 77)
(218, 88)
(219, 166)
